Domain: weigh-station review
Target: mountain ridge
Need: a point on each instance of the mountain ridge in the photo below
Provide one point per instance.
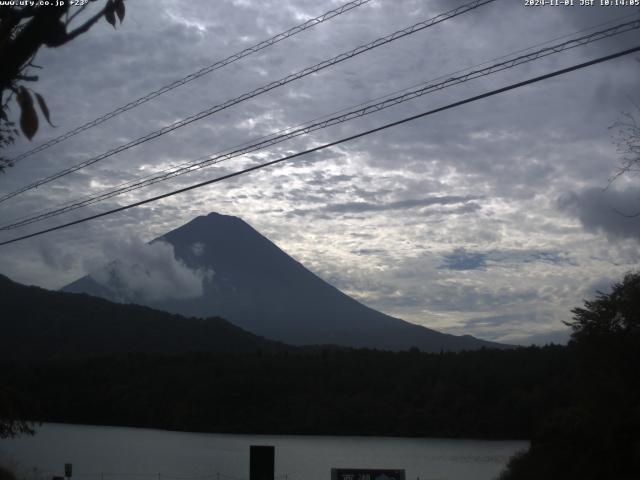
(260, 288)
(41, 325)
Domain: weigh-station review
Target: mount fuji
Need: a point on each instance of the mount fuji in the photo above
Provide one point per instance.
(248, 280)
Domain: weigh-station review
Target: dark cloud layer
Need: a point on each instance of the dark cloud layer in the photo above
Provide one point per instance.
(615, 213)
(364, 207)
(460, 259)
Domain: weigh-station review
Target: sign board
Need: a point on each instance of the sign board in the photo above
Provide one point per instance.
(68, 468)
(366, 474)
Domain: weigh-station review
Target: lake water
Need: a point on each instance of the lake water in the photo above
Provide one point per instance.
(115, 453)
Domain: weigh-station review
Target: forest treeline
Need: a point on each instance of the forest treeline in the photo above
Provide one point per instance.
(487, 393)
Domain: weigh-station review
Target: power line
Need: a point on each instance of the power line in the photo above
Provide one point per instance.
(266, 88)
(332, 144)
(203, 71)
(367, 102)
(326, 115)
(270, 141)
(345, 109)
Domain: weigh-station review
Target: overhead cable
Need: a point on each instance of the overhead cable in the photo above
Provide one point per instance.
(330, 144)
(189, 78)
(376, 107)
(266, 88)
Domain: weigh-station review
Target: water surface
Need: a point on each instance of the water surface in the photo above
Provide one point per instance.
(117, 453)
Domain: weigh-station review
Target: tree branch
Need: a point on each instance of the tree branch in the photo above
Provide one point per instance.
(27, 78)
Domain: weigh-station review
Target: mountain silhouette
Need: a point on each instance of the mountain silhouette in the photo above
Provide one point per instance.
(39, 325)
(258, 287)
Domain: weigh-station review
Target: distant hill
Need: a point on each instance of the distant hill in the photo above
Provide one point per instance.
(38, 324)
(260, 288)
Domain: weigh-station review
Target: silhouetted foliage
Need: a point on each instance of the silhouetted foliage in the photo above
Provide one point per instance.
(14, 408)
(616, 313)
(627, 139)
(598, 435)
(6, 474)
(23, 30)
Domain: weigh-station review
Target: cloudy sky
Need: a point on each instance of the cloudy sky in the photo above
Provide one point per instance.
(490, 219)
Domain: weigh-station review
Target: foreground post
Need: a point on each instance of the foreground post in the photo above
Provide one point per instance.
(261, 462)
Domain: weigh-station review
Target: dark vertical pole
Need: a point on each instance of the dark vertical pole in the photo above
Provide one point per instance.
(261, 462)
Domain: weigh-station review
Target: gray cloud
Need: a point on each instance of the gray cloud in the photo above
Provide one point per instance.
(499, 320)
(460, 259)
(147, 271)
(507, 328)
(615, 213)
(369, 251)
(54, 256)
(364, 207)
(198, 249)
(558, 337)
(360, 207)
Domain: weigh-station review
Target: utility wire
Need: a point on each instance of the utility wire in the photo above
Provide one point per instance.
(203, 71)
(332, 144)
(389, 102)
(266, 88)
(38, 214)
(328, 115)
(72, 203)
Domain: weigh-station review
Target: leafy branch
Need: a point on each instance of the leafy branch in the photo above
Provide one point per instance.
(23, 30)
